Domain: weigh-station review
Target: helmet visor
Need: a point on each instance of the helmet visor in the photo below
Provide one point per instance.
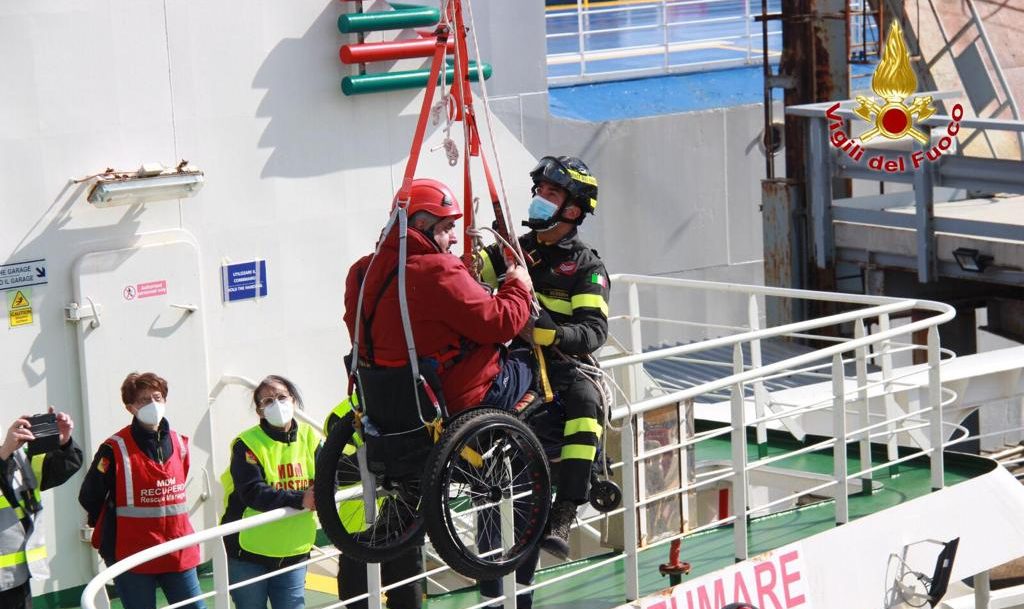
(551, 170)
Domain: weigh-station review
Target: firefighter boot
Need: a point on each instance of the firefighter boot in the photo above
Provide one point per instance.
(556, 540)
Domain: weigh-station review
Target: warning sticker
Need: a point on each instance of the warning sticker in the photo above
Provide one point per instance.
(19, 299)
(19, 307)
(21, 317)
(152, 288)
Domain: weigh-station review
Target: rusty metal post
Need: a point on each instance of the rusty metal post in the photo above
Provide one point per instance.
(784, 229)
(814, 68)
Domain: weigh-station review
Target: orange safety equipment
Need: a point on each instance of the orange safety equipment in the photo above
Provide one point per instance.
(433, 197)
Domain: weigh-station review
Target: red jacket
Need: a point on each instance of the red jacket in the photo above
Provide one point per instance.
(446, 304)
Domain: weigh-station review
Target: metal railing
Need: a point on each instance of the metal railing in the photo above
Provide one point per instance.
(874, 341)
(589, 41)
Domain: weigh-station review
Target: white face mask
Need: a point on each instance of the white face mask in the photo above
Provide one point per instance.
(151, 414)
(279, 413)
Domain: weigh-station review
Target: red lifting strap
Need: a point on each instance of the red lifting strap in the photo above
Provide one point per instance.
(421, 125)
(462, 99)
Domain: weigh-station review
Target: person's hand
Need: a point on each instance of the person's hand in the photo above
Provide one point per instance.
(545, 330)
(64, 425)
(308, 501)
(519, 273)
(18, 433)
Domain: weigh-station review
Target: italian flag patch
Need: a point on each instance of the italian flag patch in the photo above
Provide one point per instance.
(599, 279)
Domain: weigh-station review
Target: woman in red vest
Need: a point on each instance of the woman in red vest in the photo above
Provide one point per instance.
(134, 494)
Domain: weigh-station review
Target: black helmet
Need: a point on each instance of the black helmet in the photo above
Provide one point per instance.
(571, 174)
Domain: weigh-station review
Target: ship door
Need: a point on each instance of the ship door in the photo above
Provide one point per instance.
(140, 309)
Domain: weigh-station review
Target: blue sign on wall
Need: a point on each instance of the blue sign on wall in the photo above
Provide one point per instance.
(244, 280)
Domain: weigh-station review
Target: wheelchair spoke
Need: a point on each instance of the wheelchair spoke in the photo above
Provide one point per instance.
(489, 492)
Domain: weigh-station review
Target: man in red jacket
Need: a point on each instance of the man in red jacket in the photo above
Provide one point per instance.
(457, 324)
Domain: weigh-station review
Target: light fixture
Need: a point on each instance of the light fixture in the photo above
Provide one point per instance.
(970, 260)
(151, 182)
(913, 588)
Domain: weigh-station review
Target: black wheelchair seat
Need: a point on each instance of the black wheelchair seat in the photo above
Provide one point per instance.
(397, 442)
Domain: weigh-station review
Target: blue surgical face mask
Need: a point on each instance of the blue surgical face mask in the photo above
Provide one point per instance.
(541, 209)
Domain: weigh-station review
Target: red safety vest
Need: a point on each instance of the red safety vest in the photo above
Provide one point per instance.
(151, 504)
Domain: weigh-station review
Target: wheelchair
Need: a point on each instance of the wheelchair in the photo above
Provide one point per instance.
(479, 483)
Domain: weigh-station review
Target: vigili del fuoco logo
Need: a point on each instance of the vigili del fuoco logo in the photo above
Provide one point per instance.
(893, 82)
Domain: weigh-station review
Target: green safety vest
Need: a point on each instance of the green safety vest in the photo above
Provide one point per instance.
(22, 556)
(350, 511)
(286, 466)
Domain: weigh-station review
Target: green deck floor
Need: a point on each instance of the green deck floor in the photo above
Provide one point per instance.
(713, 550)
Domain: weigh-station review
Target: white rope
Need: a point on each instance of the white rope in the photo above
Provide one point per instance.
(505, 209)
(487, 119)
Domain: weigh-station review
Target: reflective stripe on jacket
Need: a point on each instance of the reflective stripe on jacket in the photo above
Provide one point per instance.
(22, 555)
(150, 503)
(571, 283)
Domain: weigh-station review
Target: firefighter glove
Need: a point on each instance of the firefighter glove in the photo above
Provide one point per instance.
(545, 330)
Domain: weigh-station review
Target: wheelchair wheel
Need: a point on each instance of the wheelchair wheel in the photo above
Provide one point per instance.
(487, 492)
(378, 524)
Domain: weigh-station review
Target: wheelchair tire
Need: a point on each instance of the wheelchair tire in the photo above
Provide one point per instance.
(399, 522)
(485, 457)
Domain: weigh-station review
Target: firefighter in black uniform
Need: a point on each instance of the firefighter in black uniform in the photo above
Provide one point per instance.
(572, 286)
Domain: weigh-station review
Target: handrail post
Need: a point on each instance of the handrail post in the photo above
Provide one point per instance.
(631, 565)
(839, 433)
(935, 402)
(760, 393)
(864, 420)
(582, 37)
(373, 585)
(508, 582)
(739, 462)
(636, 343)
(746, 27)
(891, 409)
(982, 590)
(222, 600)
(665, 38)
